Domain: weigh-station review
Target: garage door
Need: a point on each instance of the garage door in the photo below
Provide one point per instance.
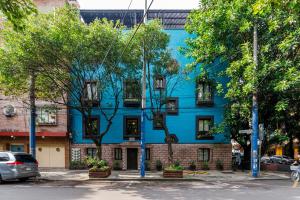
(51, 156)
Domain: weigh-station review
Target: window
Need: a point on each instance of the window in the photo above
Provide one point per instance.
(159, 83)
(132, 93)
(204, 93)
(91, 91)
(91, 126)
(204, 154)
(172, 105)
(91, 152)
(148, 154)
(4, 157)
(132, 127)
(158, 121)
(25, 158)
(118, 154)
(46, 115)
(203, 127)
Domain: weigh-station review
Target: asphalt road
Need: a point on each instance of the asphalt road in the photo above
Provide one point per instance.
(92, 190)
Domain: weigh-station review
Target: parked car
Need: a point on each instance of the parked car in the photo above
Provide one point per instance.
(21, 166)
(281, 159)
(265, 159)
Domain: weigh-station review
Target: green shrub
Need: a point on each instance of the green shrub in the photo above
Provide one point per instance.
(117, 165)
(175, 167)
(96, 165)
(192, 165)
(159, 165)
(205, 166)
(219, 165)
(76, 165)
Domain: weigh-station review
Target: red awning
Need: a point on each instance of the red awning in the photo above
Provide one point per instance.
(39, 134)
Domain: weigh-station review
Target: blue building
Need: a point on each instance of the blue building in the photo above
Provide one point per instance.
(192, 111)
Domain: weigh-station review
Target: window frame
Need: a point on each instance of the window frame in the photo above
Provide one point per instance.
(94, 154)
(205, 135)
(162, 79)
(153, 122)
(132, 102)
(127, 136)
(116, 154)
(203, 103)
(85, 136)
(95, 101)
(203, 153)
(169, 111)
(40, 110)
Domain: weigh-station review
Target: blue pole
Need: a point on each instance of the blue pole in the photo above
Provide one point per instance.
(254, 146)
(143, 118)
(32, 131)
(254, 156)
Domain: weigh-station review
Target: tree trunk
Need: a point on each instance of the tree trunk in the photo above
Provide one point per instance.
(99, 150)
(169, 142)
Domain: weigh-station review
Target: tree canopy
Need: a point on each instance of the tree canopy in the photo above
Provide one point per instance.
(223, 30)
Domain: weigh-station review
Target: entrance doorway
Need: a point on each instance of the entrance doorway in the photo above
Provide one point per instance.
(132, 158)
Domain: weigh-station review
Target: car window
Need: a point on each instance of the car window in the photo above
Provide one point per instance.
(25, 158)
(4, 157)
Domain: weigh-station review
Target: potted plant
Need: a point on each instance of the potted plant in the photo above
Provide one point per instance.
(98, 168)
(147, 165)
(117, 165)
(158, 165)
(219, 165)
(175, 170)
(192, 166)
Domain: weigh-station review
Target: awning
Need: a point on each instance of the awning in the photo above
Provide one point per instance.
(39, 134)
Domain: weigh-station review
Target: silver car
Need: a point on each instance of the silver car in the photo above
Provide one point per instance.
(21, 166)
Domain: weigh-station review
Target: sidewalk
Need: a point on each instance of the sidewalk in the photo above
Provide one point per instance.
(211, 175)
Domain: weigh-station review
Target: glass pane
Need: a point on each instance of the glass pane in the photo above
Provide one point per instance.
(172, 105)
(200, 92)
(207, 93)
(206, 125)
(200, 154)
(205, 154)
(131, 126)
(201, 125)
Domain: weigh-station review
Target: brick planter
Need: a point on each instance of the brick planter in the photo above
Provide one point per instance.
(99, 174)
(173, 174)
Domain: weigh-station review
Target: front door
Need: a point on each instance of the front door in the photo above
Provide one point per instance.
(132, 158)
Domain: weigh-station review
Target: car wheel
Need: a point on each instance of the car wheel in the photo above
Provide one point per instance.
(1, 181)
(295, 176)
(23, 179)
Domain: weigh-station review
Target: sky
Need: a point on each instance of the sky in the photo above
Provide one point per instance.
(137, 4)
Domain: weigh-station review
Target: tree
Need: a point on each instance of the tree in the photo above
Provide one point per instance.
(71, 64)
(163, 75)
(223, 30)
(17, 10)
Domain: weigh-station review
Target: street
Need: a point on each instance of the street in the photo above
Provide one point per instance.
(92, 190)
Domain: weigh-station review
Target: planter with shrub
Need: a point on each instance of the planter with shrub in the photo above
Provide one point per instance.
(192, 166)
(205, 166)
(147, 165)
(173, 171)
(219, 165)
(117, 165)
(158, 165)
(78, 165)
(98, 168)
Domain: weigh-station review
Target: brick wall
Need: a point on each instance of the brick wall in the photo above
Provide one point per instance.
(20, 122)
(185, 153)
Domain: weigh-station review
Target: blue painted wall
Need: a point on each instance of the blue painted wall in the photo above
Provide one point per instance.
(183, 124)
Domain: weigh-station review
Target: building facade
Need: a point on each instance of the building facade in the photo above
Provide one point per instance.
(194, 108)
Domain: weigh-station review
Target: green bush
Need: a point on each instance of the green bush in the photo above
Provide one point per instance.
(192, 165)
(117, 165)
(159, 165)
(205, 166)
(175, 167)
(96, 165)
(76, 165)
(147, 165)
(219, 165)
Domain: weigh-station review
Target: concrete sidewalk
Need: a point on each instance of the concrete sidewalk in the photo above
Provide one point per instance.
(211, 175)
